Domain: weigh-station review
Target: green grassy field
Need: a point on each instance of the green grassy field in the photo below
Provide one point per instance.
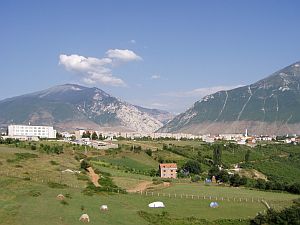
(32, 202)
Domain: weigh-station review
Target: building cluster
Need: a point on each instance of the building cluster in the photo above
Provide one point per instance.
(136, 135)
(104, 139)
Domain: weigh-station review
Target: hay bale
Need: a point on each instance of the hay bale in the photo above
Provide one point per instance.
(60, 197)
(84, 218)
(214, 205)
(104, 208)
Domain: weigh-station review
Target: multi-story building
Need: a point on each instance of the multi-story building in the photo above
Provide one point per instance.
(168, 170)
(31, 131)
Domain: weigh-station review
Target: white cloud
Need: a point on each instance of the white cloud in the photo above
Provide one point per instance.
(199, 92)
(155, 77)
(123, 55)
(158, 104)
(132, 41)
(97, 70)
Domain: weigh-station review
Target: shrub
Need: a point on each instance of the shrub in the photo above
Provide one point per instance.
(84, 164)
(148, 152)
(54, 163)
(192, 166)
(64, 202)
(68, 195)
(56, 185)
(196, 178)
(34, 193)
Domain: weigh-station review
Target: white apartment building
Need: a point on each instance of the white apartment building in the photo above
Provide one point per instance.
(31, 131)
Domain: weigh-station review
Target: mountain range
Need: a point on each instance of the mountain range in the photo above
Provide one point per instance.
(269, 106)
(72, 106)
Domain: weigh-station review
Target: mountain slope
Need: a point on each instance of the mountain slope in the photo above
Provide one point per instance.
(271, 105)
(72, 106)
(161, 115)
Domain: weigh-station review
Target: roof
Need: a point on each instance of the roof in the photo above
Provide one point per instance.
(168, 165)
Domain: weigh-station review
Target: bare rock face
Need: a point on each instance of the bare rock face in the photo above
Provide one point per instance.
(72, 106)
(269, 106)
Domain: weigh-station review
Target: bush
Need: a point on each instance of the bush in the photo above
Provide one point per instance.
(148, 152)
(54, 163)
(84, 164)
(192, 166)
(64, 202)
(290, 215)
(56, 185)
(34, 193)
(196, 178)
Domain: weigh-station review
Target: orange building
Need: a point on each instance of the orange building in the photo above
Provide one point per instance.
(168, 170)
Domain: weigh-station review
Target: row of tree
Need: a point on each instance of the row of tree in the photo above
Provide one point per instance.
(93, 136)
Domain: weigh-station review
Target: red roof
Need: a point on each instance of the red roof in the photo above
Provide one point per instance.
(168, 165)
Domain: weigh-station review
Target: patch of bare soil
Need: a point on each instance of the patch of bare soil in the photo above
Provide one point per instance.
(94, 177)
(140, 187)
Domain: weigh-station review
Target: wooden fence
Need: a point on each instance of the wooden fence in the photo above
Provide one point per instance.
(200, 197)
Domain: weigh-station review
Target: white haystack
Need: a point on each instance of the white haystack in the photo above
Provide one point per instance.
(85, 218)
(103, 207)
(60, 197)
(156, 205)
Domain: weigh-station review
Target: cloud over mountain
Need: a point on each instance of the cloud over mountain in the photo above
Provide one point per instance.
(98, 70)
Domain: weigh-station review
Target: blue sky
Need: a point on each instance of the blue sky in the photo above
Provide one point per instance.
(159, 54)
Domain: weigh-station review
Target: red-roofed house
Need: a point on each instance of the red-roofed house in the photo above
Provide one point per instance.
(168, 170)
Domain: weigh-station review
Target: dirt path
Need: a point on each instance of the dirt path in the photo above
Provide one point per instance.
(94, 177)
(147, 184)
(140, 187)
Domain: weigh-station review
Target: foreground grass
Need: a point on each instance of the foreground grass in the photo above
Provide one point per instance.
(28, 202)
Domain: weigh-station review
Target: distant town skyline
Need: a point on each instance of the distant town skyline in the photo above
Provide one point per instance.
(156, 54)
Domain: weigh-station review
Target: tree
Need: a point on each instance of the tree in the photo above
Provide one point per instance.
(148, 152)
(247, 156)
(196, 178)
(86, 134)
(213, 171)
(235, 180)
(260, 184)
(288, 215)
(223, 176)
(59, 136)
(192, 166)
(217, 155)
(94, 136)
(84, 164)
(101, 137)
